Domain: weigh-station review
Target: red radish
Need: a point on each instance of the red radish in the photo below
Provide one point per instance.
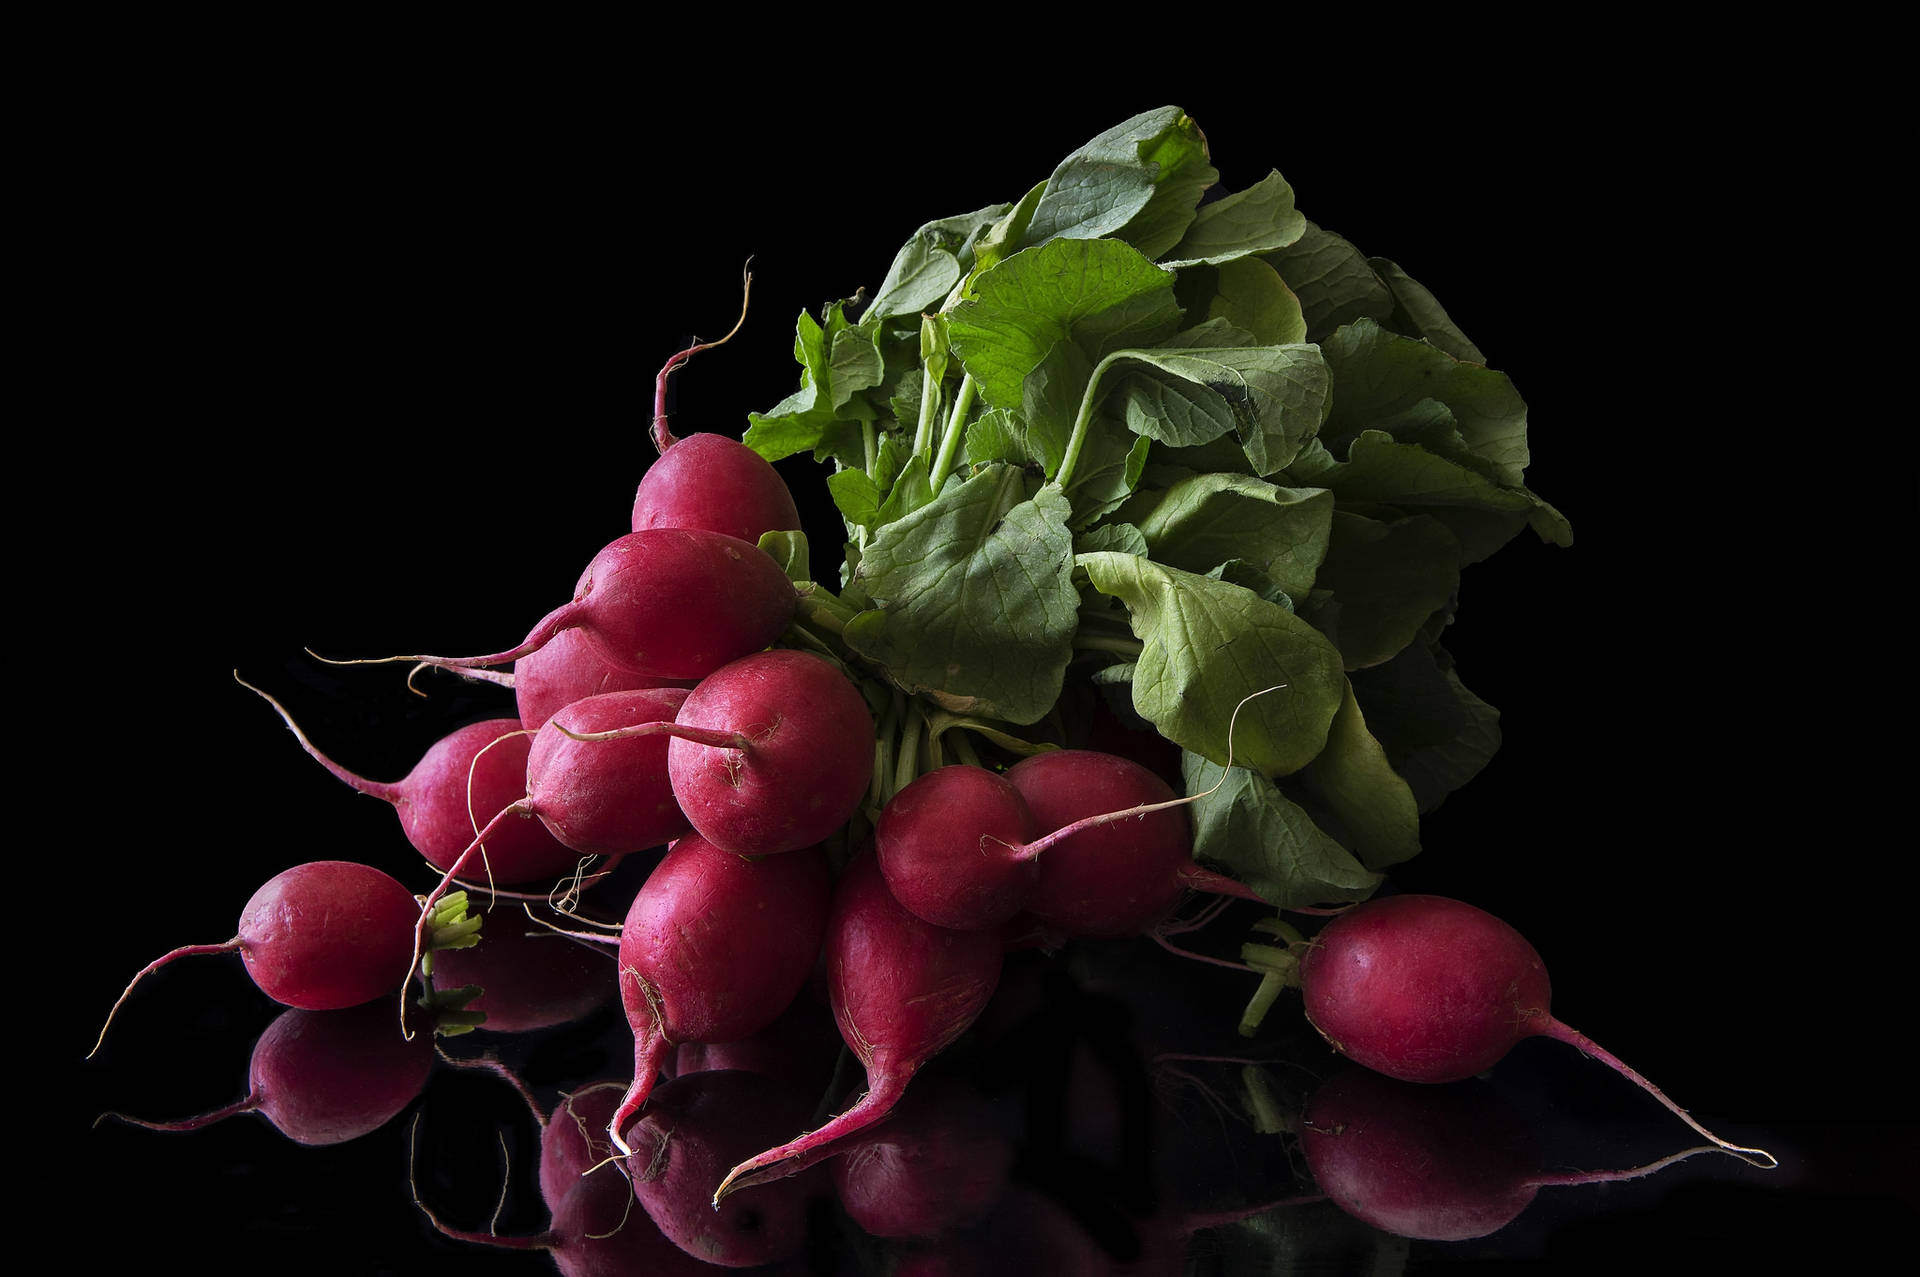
(902, 991)
(607, 797)
(1116, 879)
(568, 669)
(1428, 989)
(948, 846)
(710, 481)
(320, 936)
(694, 1128)
(771, 753)
(669, 603)
(325, 1077)
(955, 856)
(713, 482)
(713, 949)
(463, 779)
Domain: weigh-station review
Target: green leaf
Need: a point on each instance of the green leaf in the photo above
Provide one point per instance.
(1208, 646)
(975, 604)
(1251, 294)
(1268, 841)
(1436, 733)
(856, 496)
(1389, 577)
(930, 264)
(1260, 219)
(1100, 292)
(1417, 313)
(1204, 521)
(1333, 281)
(1359, 786)
(789, 550)
(1271, 398)
(1138, 180)
(1122, 537)
(1383, 378)
(1378, 472)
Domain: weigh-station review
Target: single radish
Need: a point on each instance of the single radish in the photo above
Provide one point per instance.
(571, 668)
(706, 480)
(325, 1077)
(1116, 879)
(771, 753)
(902, 990)
(1428, 989)
(713, 949)
(463, 779)
(669, 603)
(713, 482)
(321, 936)
(962, 847)
(948, 845)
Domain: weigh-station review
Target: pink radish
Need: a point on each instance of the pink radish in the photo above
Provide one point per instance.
(771, 753)
(568, 669)
(713, 949)
(320, 936)
(713, 482)
(1116, 879)
(902, 991)
(669, 603)
(710, 481)
(465, 777)
(325, 1077)
(1428, 989)
(952, 849)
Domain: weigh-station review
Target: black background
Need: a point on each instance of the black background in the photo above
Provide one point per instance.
(359, 359)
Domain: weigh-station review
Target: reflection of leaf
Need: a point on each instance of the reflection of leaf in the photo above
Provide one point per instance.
(948, 581)
(1208, 646)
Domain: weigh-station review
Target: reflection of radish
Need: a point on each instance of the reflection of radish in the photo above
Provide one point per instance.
(695, 1128)
(1427, 989)
(325, 1077)
(529, 978)
(1439, 1163)
(937, 1164)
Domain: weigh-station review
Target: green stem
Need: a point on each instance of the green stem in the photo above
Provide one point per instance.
(1104, 643)
(869, 447)
(929, 405)
(1078, 439)
(956, 426)
(883, 748)
(906, 767)
(963, 749)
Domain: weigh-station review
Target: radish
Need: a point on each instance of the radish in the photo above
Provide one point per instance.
(571, 668)
(321, 936)
(710, 481)
(1116, 879)
(1428, 989)
(713, 482)
(713, 949)
(325, 1077)
(948, 845)
(606, 797)
(902, 990)
(668, 603)
(771, 753)
(466, 776)
(939, 1163)
(962, 847)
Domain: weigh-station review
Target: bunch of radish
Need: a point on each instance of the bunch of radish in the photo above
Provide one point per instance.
(672, 702)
